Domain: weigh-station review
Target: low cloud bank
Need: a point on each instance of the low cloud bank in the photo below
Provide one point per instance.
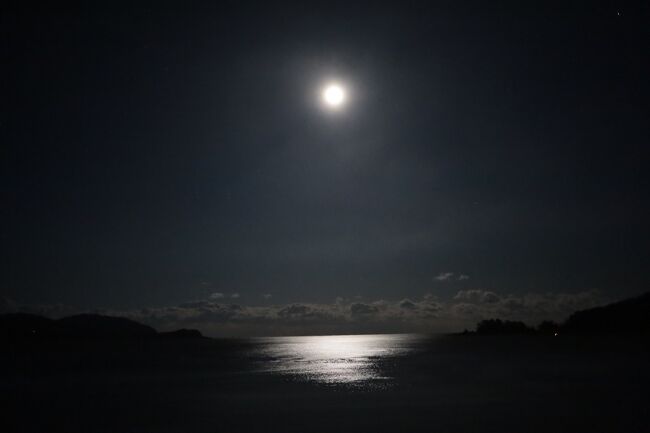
(426, 314)
(219, 318)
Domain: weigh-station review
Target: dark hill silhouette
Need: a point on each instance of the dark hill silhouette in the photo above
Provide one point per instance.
(98, 326)
(502, 327)
(630, 316)
(31, 327)
(23, 325)
(182, 333)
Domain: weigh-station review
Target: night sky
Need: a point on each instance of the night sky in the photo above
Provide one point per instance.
(152, 156)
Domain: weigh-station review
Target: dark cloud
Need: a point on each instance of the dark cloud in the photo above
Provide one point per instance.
(52, 310)
(360, 310)
(427, 314)
(7, 306)
(304, 312)
(477, 296)
(531, 308)
(407, 304)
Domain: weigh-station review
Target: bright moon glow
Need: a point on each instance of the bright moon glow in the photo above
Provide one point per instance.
(334, 95)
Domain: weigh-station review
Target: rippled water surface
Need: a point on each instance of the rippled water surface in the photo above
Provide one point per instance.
(337, 359)
(355, 383)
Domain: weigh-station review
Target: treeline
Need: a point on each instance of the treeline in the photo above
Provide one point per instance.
(630, 316)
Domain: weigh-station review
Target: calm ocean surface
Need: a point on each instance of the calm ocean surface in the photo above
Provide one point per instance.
(340, 359)
(350, 383)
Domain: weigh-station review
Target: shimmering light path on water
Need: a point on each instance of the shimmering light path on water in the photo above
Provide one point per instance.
(337, 359)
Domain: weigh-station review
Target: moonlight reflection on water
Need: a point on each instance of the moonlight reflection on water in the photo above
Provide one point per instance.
(337, 359)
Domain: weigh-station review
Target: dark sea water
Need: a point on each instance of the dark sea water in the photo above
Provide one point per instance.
(357, 383)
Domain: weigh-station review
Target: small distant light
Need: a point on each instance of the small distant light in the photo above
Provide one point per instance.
(555, 335)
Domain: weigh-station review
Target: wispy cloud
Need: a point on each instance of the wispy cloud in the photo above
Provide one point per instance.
(451, 276)
(444, 276)
(477, 296)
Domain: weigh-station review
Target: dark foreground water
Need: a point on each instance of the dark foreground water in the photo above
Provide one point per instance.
(361, 383)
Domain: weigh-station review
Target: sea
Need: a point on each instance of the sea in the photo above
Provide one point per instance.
(339, 383)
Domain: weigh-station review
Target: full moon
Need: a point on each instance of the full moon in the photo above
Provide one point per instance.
(333, 95)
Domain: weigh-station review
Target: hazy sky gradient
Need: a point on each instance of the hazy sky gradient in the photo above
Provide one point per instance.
(157, 155)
